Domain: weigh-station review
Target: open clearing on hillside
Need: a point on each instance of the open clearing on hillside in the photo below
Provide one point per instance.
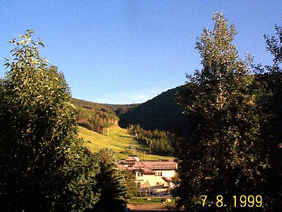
(119, 141)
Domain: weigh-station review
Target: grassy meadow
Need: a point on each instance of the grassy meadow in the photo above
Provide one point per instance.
(119, 141)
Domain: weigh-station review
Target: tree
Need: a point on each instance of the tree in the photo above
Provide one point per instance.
(274, 80)
(223, 154)
(131, 187)
(43, 165)
(111, 182)
(269, 86)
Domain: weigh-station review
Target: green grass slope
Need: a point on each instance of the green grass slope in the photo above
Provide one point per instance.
(119, 141)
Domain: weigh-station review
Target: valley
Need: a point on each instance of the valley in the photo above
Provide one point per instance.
(119, 141)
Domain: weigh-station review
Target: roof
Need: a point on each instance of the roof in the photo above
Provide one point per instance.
(160, 165)
(132, 158)
(148, 167)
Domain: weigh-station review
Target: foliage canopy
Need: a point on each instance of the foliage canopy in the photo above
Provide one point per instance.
(43, 164)
(224, 153)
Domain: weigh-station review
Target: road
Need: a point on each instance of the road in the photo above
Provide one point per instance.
(146, 207)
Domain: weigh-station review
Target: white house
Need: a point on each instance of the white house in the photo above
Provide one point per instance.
(155, 175)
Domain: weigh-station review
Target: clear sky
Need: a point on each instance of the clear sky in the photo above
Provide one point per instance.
(128, 51)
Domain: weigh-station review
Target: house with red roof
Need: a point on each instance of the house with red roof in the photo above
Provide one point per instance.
(154, 175)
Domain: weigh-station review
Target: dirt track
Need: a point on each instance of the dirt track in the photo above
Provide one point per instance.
(146, 207)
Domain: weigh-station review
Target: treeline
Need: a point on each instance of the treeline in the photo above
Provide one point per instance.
(121, 109)
(158, 142)
(161, 113)
(94, 116)
(97, 120)
(44, 165)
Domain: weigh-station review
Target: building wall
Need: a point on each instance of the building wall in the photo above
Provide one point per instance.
(153, 179)
(168, 173)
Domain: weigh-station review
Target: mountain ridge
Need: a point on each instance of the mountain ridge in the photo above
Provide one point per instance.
(161, 112)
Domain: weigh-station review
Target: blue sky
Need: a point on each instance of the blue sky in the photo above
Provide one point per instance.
(128, 51)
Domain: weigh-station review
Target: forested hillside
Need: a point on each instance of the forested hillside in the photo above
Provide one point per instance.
(94, 116)
(101, 118)
(161, 112)
(121, 109)
(120, 142)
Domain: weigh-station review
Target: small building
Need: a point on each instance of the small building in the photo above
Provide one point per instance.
(154, 175)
